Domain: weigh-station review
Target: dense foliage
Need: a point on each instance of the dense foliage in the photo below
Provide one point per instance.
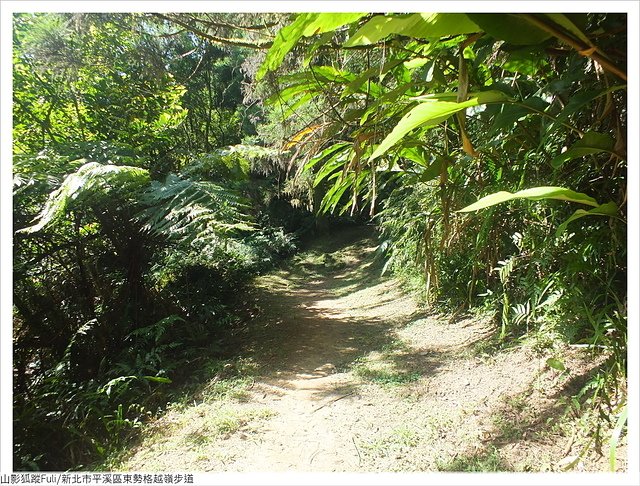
(137, 215)
(158, 158)
(491, 151)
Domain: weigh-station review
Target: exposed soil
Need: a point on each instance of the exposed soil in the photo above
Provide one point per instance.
(340, 370)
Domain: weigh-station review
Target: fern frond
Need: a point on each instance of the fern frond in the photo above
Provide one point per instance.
(92, 179)
(192, 211)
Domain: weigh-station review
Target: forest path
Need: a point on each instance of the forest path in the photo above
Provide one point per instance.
(339, 370)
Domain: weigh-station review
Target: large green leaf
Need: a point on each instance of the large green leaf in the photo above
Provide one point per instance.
(430, 112)
(305, 25)
(327, 154)
(512, 28)
(420, 25)
(434, 170)
(527, 61)
(291, 91)
(331, 74)
(192, 212)
(334, 163)
(569, 25)
(416, 154)
(533, 194)
(311, 81)
(590, 143)
(333, 196)
(607, 209)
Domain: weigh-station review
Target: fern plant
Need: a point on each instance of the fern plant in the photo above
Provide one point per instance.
(89, 184)
(194, 212)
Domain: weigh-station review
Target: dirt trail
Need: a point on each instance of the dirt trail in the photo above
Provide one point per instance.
(349, 375)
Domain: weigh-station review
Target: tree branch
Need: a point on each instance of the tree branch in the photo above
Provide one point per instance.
(261, 44)
(225, 25)
(584, 50)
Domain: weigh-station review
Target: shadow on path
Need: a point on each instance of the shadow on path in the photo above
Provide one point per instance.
(322, 311)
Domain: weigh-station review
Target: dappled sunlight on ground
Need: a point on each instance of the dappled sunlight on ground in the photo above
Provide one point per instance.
(346, 373)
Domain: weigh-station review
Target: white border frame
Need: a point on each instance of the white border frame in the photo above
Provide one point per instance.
(632, 8)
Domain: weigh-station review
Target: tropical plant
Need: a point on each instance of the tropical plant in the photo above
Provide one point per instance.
(491, 150)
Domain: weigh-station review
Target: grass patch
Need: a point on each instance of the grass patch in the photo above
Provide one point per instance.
(227, 380)
(208, 423)
(508, 420)
(395, 442)
(193, 432)
(201, 414)
(489, 461)
(385, 377)
(384, 367)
